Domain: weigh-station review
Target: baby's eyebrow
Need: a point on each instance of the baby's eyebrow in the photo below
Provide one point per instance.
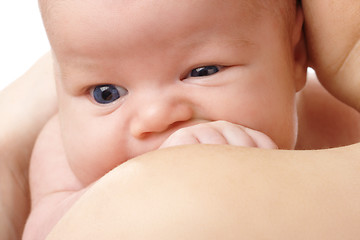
(226, 41)
(241, 42)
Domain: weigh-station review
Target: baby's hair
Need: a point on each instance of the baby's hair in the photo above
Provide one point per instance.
(283, 10)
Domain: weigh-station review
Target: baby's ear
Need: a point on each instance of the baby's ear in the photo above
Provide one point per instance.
(299, 50)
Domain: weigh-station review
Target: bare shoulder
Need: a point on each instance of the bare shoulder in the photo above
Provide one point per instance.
(202, 191)
(325, 121)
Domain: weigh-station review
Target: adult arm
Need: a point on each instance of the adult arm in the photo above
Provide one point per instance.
(25, 106)
(333, 35)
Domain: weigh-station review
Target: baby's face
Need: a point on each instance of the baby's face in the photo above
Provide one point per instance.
(130, 73)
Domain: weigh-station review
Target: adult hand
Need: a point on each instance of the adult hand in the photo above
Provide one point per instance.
(333, 36)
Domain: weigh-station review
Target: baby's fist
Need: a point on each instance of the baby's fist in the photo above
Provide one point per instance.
(219, 132)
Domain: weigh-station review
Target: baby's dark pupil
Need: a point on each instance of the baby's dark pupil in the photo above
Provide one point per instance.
(106, 94)
(203, 72)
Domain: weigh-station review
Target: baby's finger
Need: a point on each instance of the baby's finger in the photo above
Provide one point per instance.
(207, 134)
(242, 136)
(197, 134)
(262, 140)
(179, 138)
(234, 134)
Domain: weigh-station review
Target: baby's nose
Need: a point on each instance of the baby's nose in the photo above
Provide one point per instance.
(158, 116)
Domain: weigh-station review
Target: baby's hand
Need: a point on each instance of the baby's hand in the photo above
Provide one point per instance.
(219, 132)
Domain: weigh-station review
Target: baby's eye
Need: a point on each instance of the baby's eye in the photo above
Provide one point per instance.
(204, 71)
(105, 94)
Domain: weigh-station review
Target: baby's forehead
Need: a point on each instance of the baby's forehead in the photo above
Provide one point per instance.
(49, 8)
(279, 8)
(45, 5)
(83, 24)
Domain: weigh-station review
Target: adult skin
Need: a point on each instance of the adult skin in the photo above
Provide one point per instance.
(21, 121)
(225, 192)
(333, 36)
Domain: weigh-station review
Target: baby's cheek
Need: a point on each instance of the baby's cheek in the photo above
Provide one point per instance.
(91, 154)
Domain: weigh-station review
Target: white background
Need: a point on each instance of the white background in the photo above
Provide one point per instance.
(22, 38)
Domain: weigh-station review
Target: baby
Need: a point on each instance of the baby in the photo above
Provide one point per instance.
(135, 76)
(131, 73)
